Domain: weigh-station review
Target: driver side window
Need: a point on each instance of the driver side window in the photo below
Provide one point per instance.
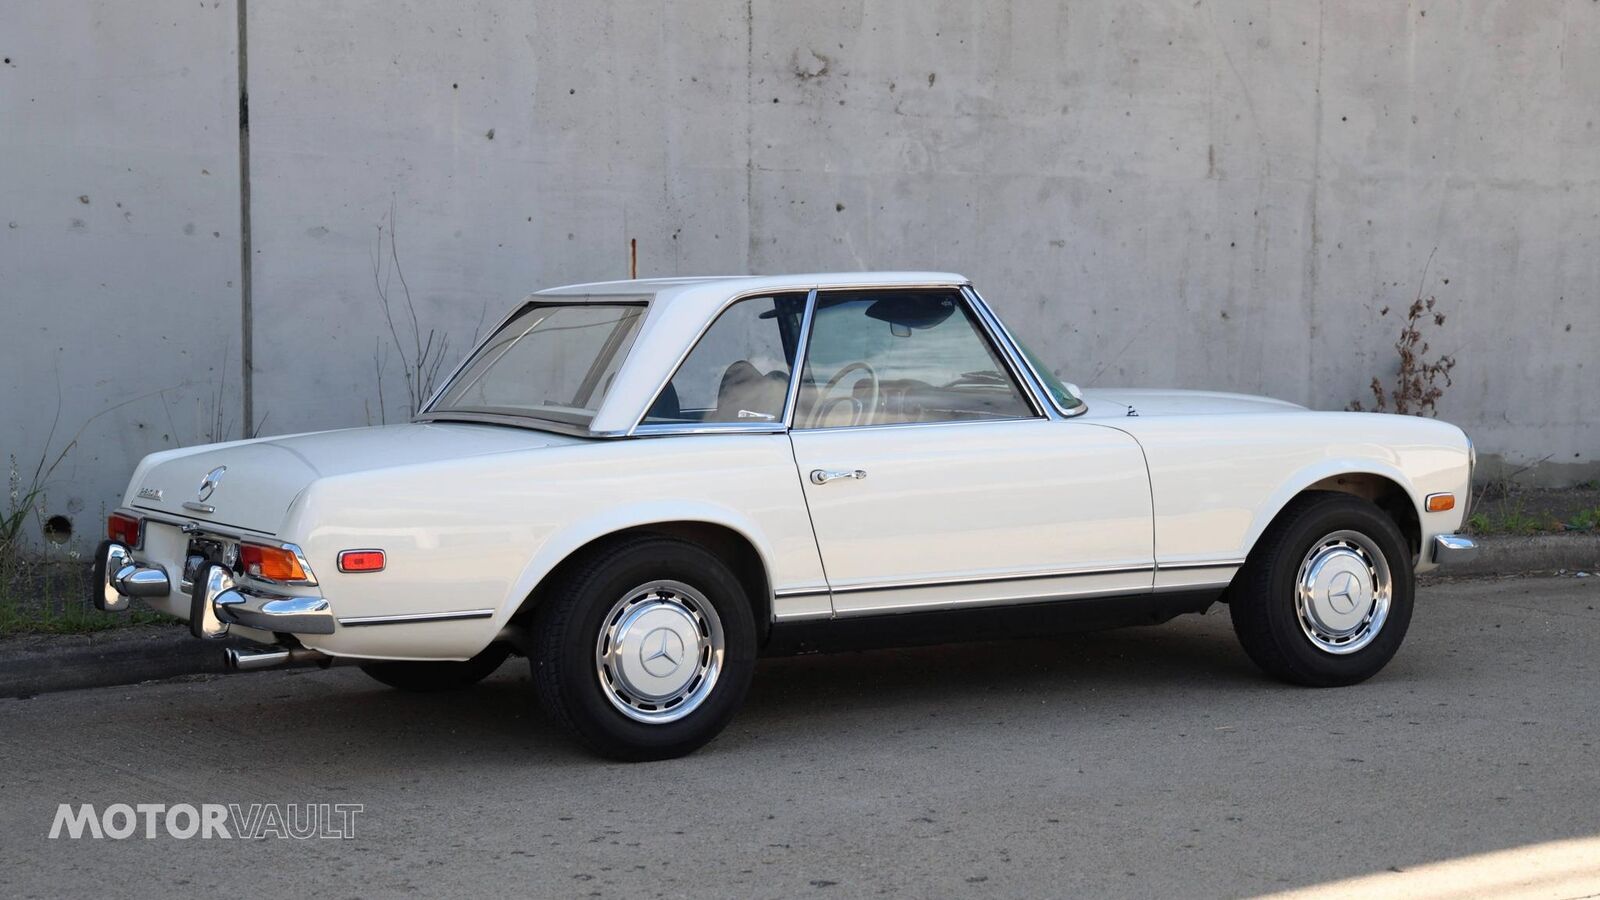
(898, 357)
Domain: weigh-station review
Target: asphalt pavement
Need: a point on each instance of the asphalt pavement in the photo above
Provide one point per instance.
(1143, 762)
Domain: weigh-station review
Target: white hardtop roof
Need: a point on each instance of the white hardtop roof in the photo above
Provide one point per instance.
(681, 309)
(744, 284)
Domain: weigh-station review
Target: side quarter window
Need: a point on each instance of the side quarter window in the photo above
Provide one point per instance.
(738, 373)
(902, 356)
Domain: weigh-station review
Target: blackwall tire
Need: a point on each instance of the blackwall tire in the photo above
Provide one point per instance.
(1325, 597)
(644, 649)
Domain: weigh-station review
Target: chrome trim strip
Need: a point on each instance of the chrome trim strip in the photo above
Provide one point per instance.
(1037, 381)
(801, 347)
(409, 618)
(527, 422)
(1062, 594)
(661, 428)
(801, 592)
(987, 579)
(1001, 339)
(944, 423)
(1191, 586)
(1203, 564)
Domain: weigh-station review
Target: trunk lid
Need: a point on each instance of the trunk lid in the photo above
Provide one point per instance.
(260, 479)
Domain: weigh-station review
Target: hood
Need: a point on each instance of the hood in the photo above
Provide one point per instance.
(261, 478)
(1117, 403)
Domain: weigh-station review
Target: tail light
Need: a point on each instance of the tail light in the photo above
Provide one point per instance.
(274, 563)
(125, 530)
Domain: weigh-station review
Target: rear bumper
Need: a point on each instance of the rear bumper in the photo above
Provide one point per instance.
(216, 601)
(1449, 549)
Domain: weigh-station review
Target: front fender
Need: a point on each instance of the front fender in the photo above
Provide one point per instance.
(1322, 470)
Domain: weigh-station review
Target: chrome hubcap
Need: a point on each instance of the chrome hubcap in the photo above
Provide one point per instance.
(1343, 591)
(660, 651)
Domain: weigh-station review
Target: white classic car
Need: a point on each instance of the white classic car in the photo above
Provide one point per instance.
(642, 486)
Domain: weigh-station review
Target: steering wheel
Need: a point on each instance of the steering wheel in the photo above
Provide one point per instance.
(862, 416)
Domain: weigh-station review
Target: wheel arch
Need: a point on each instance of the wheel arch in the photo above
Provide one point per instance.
(729, 542)
(1383, 485)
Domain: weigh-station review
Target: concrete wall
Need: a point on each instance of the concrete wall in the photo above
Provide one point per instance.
(1201, 194)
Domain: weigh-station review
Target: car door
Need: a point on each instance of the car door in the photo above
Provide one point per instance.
(935, 480)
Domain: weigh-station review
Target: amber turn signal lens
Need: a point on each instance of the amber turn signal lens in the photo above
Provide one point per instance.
(1441, 502)
(275, 563)
(123, 529)
(361, 561)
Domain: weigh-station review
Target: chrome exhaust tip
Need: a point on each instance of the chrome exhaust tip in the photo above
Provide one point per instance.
(248, 660)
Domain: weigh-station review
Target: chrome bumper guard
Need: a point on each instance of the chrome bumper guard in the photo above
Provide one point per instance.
(118, 578)
(217, 602)
(1453, 548)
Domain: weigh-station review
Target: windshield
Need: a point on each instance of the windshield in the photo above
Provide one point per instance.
(1065, 400)
(550, 361)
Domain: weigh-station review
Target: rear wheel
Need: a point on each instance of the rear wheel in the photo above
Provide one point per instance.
(645, 649)
(422, 677)
(1325, 597)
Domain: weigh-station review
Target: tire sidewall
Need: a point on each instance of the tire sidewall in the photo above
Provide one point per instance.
(590, 712)
(1338, 514)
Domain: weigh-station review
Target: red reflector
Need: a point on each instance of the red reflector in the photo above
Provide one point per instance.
(123, 529)
(361, 561)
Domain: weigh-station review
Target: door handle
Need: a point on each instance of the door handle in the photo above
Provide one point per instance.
(823, 476)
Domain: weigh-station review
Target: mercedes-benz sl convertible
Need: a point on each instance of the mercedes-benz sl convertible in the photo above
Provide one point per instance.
(643, 486)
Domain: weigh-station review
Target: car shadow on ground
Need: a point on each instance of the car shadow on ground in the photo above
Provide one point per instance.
(797, 701)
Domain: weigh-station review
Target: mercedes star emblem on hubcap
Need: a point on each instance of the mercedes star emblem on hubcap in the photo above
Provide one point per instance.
(1342, 593)
(661, 651)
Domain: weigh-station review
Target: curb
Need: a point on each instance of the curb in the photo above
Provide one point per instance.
(1528, 555)
(39, 664)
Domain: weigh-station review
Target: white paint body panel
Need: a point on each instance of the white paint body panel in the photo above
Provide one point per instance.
(475, 516)
(1003, 504)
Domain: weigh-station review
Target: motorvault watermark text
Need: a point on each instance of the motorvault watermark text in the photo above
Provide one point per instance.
(224, 821)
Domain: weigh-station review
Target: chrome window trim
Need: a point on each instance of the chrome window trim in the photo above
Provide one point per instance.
(1035, 382)
(811, 301)
(802, 346)
(663, 428)
(515, 421)
(1023, 386)
(645, 300)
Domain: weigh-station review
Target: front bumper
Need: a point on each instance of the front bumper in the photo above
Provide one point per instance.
(216, 601)
(1449, 549)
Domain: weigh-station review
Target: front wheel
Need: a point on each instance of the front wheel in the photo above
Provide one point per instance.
(1325, 597)
(645, 649)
